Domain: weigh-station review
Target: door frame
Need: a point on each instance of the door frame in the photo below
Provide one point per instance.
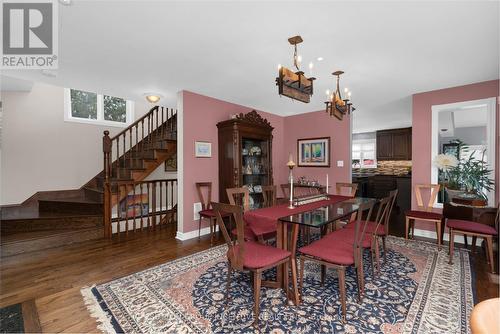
(490, 104)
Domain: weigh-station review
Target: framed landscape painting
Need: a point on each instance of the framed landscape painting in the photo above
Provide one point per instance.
(313, 152)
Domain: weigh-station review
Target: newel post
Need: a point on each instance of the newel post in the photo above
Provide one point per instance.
(106, 148)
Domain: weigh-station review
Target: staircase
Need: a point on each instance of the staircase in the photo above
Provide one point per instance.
(54, 218)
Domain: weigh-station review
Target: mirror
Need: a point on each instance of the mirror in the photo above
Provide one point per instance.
(466, 131)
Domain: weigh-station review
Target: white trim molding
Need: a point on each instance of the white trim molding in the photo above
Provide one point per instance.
(446, 237)
(180, 164)
(194, 234)
(490, 104)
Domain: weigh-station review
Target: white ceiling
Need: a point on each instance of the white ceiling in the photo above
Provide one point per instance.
(230, 50)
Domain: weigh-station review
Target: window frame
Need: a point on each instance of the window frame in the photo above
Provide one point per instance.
(68, 115)
(360, 142)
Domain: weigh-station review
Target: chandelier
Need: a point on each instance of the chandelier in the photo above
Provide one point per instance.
(294, 85)
(336, 106)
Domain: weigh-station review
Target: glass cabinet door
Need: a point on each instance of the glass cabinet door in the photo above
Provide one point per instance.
(255, 168)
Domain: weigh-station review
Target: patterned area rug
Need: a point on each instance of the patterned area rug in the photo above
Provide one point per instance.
(417, 291)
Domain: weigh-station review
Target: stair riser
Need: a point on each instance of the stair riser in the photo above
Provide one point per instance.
(46, 224)
(33, 245)
(70, 207)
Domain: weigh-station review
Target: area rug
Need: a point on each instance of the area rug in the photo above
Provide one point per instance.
(417, 291)
(11, 319)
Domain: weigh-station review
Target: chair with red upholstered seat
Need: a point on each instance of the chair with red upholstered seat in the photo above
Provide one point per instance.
(379, 228)
(424, 212)
(336, 251)
(243, 255)
(469, 228)
(206, 212)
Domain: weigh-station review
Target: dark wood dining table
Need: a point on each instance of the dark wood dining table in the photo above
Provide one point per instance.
(278, 218)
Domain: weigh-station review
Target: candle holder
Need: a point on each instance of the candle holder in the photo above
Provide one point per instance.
(290, 165)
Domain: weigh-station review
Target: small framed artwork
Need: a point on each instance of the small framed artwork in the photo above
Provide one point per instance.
(171, 164)
(202, 149)
(452, 149)
(313, 152)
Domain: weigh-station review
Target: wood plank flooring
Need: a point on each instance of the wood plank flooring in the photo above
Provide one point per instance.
(51, 280)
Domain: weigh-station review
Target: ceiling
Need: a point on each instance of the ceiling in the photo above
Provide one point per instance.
(465, 117)
(230, 50)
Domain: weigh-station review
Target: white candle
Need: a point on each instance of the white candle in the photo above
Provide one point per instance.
(327, 183)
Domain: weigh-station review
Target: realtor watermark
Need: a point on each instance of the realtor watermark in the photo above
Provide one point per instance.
(30, 34)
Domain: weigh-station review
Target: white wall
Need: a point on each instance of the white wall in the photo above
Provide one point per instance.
(40, 151)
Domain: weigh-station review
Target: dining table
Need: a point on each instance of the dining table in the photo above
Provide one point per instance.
(281, 218)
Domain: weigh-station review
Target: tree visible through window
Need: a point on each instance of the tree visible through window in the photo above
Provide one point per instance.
(83, 104)
(115, 109)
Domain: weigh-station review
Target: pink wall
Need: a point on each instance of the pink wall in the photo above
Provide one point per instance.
(422, 119)
(318, 124)
(202, 113)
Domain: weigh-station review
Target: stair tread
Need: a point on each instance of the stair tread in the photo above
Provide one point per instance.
(30, 214)
(72, 200)
(33, 235)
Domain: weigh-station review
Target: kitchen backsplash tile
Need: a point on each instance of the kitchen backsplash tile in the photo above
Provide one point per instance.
(396, 167)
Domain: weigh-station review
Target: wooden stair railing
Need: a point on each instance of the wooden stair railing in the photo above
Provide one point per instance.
(149, 137)
(145, 205)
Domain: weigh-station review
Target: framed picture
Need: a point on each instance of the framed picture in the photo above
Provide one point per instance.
(313, 152)
(452, 149)
(202, 149)
(134, 206)
(171, 164)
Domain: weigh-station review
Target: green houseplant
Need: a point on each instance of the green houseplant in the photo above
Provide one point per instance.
(469, 178)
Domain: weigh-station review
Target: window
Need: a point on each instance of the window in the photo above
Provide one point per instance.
(364, 153)
(93, 108)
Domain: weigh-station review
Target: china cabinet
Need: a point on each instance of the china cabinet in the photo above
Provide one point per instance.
(245, 155)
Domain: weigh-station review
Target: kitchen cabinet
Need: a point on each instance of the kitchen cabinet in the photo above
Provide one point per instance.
(394, 144)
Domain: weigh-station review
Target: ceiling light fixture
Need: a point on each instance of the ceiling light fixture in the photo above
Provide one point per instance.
(336, 106)
(295, 85)
(320, 58)
(65, 2)
(153, 97)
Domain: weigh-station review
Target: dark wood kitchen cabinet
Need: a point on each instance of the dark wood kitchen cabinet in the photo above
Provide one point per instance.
(245, 152)
(394, 144)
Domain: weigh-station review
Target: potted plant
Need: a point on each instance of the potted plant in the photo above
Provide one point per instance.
(467, 180)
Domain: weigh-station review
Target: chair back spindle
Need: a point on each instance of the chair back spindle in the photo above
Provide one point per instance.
(361, 224)
(269, 194)
(204, 187)
(434, 190)
(235, 254)
(350, 187)
(239, 196)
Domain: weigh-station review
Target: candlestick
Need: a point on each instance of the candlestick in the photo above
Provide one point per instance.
(327, 184)
(290, 165)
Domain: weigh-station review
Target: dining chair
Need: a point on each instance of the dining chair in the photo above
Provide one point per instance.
(241, 196)
(378, 228)
(424, 212)
(341, 188)
(334, 251)
(474, 229)
(269, 194)
(206, 211)
(244, 255)
(285, 189)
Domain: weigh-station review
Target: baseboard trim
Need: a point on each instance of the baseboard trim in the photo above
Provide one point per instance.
(446, 237)
(183, 236)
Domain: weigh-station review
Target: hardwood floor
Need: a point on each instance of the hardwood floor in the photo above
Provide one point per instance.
(50, 281)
